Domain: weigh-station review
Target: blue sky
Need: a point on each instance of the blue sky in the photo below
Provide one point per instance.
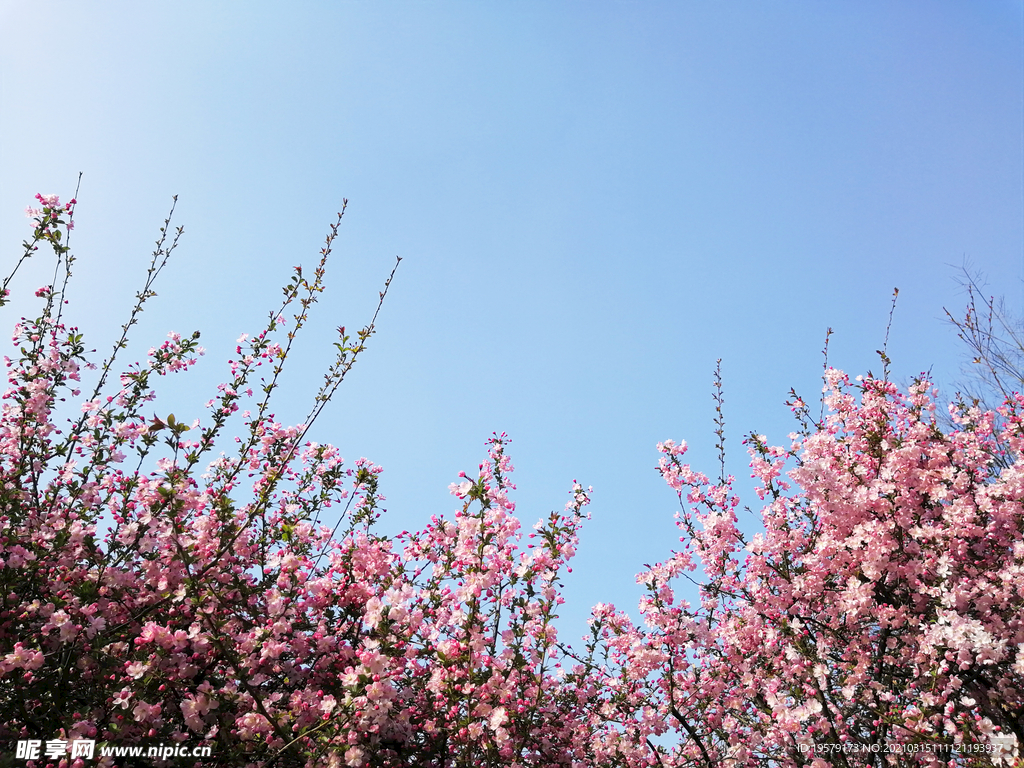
(593, 202)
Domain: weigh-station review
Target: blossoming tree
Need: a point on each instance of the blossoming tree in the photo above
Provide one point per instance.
(878, 617)
(154, 589)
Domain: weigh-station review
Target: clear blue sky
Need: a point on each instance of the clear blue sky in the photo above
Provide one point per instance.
(593, 200)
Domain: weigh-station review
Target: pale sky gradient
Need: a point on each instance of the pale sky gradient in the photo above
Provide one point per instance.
(593, 200)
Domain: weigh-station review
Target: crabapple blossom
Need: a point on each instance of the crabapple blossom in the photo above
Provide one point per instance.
(223, 578)
(880, 606)
(156, 585)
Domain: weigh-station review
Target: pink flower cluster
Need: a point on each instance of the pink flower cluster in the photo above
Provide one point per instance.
(48, 218)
